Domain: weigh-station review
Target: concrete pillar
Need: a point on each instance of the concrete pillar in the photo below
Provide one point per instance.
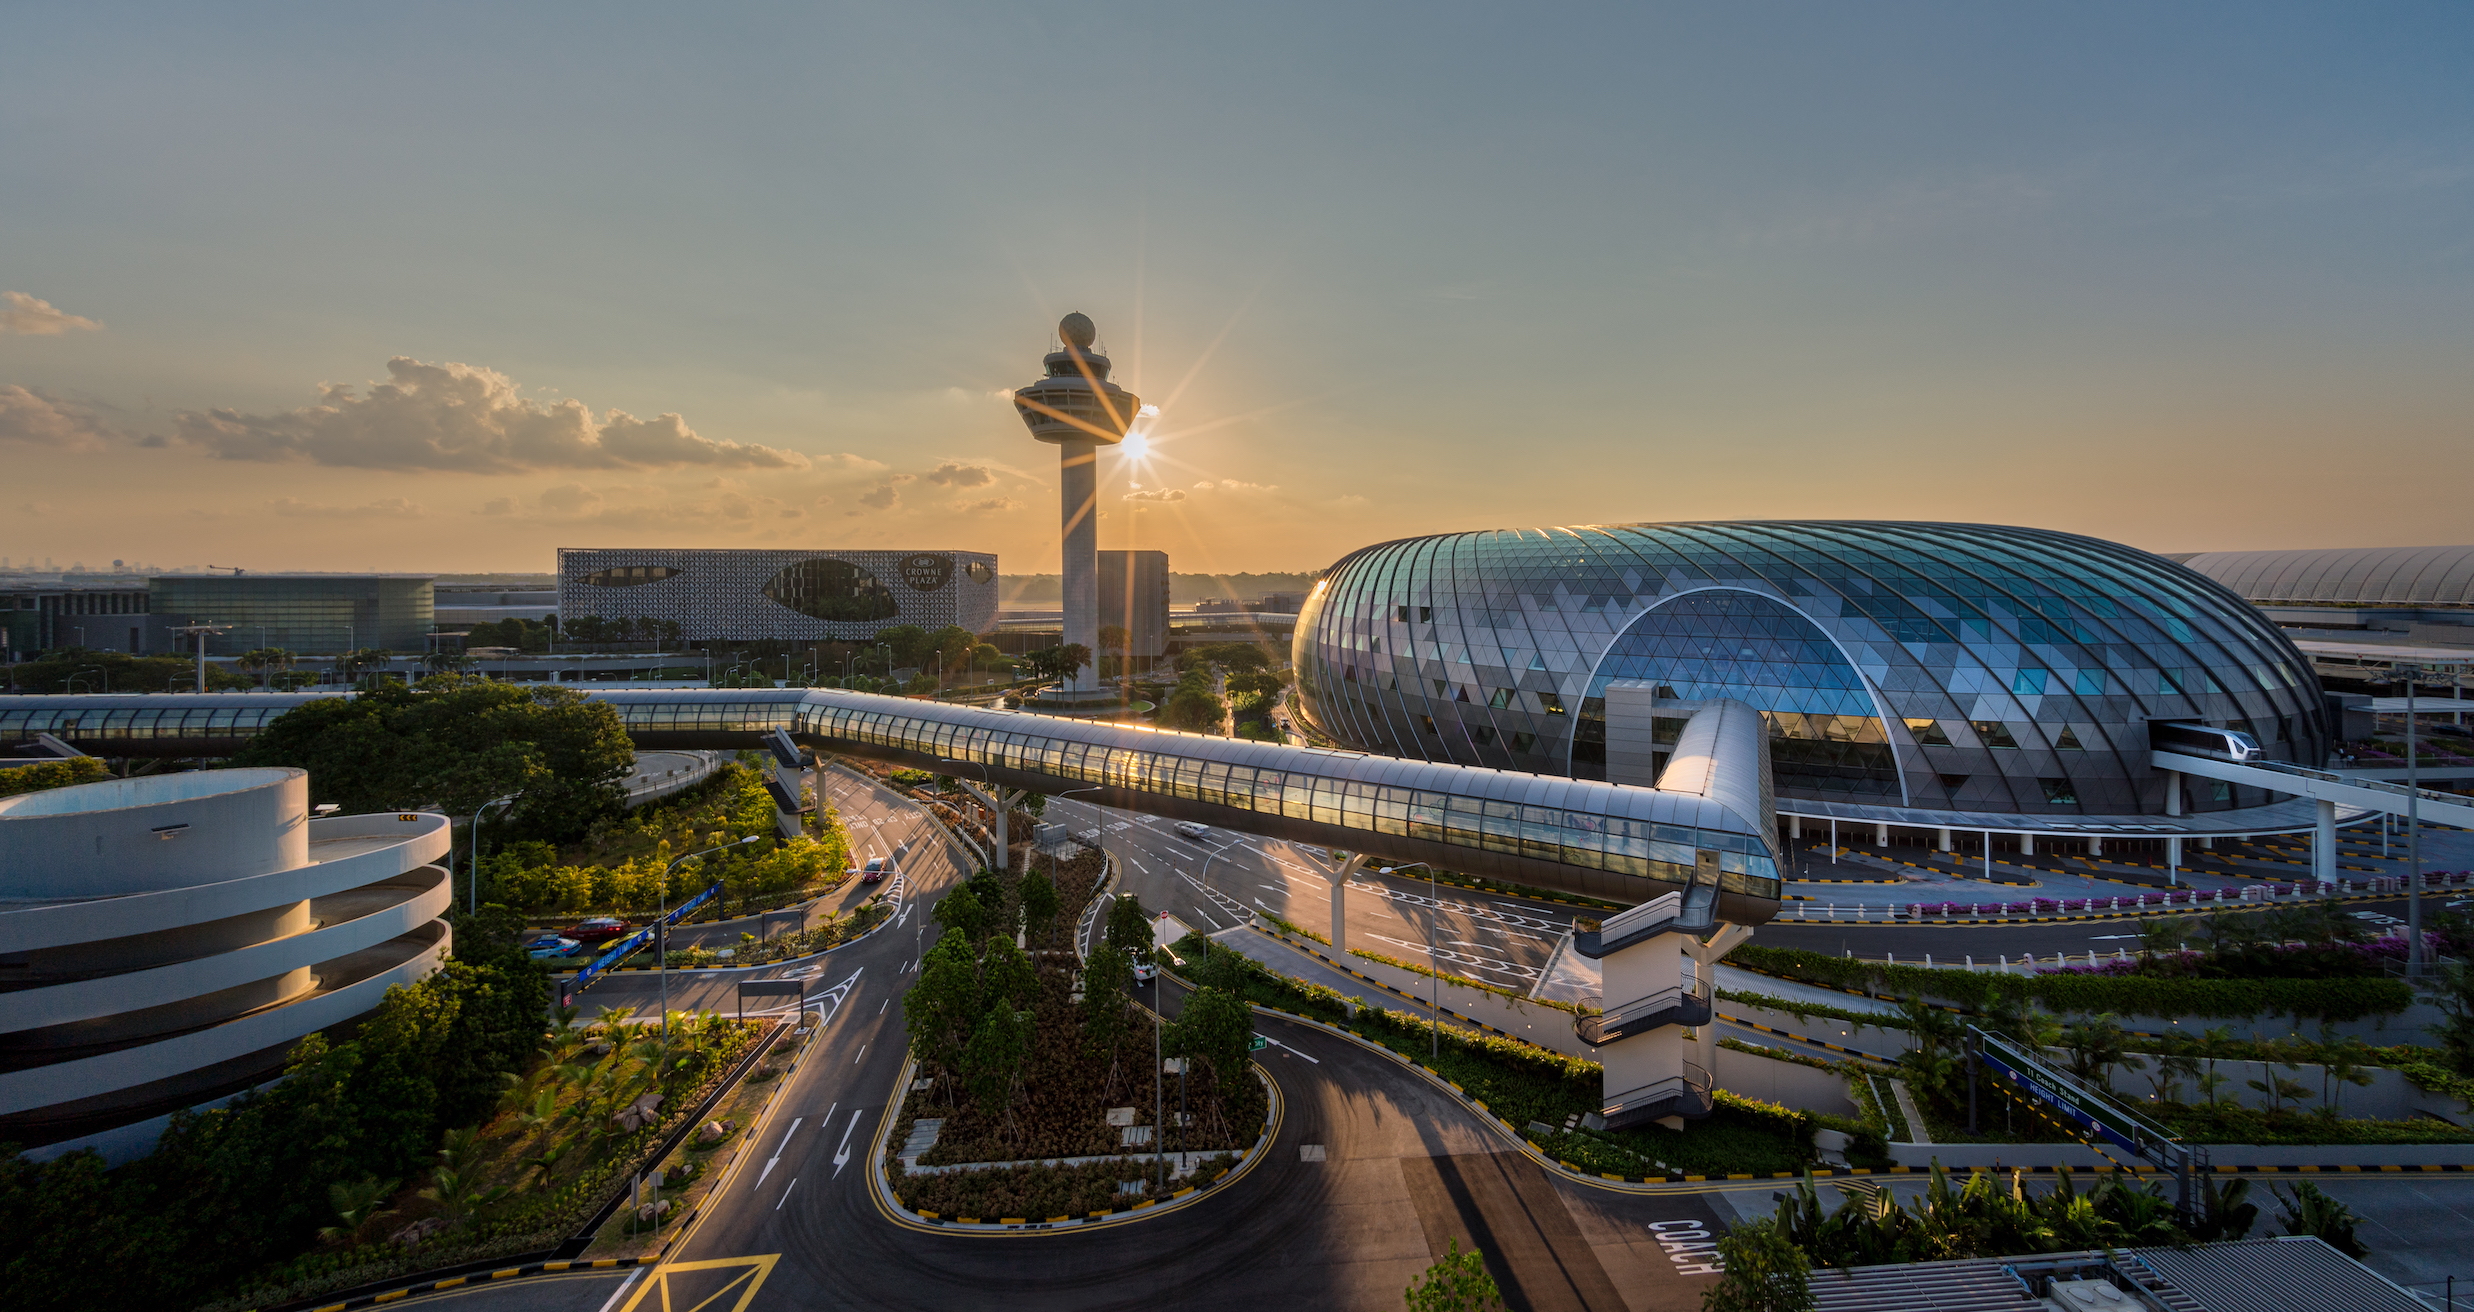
(1339, 877)
(1943, 844)
(2324, 842)
(1881, 835)
(1795, 826)
(2027, 845)
(2095, 845)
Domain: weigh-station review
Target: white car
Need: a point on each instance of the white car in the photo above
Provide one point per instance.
(1192, 830)
(1145, 969)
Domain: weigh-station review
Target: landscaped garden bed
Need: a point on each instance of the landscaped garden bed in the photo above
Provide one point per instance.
(1024, 1057)
(586, 1117)
(620, 864)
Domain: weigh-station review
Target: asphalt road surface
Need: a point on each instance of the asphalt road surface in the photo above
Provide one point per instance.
(1403, 1170)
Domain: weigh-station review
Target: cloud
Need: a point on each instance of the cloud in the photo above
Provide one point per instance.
(1157, 494)
(468, 419)
(990, 506)
(35, 417)
(498, 506)
(952, 474)
(881, 497)
(38, 318)
(845, 460)
(385, 508)
(570, 499)
(1235, 485)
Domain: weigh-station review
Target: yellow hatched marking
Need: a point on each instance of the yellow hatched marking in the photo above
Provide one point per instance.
(753, 1277)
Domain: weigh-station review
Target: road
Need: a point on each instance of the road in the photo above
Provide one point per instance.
(1404, 1167)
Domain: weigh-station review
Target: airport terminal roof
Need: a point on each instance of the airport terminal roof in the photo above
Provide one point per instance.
(2350, 576)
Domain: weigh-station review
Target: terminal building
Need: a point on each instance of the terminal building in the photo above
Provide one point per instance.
(1923, 676)
(738, 595)
(301, 613)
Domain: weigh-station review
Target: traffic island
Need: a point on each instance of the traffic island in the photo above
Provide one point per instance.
(1060, 1195)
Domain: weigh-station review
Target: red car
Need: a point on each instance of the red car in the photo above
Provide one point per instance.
(600, 929)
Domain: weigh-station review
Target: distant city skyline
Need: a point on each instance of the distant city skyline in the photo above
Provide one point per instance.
(366, 290)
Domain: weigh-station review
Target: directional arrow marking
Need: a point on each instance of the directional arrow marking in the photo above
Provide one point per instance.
(777, 1150)
(842, 1154)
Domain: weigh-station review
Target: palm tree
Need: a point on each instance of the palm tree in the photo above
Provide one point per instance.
(2212, 1046)
(2173, 1065)
(544, 1165)
(459, 1193)
(2341, 1064)
(2096, 1046)
(356, 1205)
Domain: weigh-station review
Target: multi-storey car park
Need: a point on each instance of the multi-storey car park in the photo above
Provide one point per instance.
(166, 939)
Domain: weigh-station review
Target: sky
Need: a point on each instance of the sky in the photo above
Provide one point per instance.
(440, 287)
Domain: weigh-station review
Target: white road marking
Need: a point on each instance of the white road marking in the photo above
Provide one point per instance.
(863, 1051)
(777, 1150)
(1278, 1044)
(880, 1007)
(844, 1154)
(794, 1183)
(1464, 959)
(621, 1291)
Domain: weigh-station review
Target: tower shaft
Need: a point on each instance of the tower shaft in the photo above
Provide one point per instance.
(1078, 476)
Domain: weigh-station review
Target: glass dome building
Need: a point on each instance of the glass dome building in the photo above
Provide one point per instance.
(1945, 668)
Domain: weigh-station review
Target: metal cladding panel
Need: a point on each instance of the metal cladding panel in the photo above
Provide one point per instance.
(2289, 1274)
(737, 595)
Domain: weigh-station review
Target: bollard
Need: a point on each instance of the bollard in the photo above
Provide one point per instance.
(1928, 961)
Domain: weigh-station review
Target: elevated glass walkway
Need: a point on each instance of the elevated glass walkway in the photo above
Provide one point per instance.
(1625, 844)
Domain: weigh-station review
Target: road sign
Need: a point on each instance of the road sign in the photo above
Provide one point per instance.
(1257, 1043)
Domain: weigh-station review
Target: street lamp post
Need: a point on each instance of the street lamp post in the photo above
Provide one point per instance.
(661, 928)
(1434, 961)
(474, 841)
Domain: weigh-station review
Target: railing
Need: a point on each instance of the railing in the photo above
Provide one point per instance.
(1689, 1003)
(2350, 781)
(1690, 1090)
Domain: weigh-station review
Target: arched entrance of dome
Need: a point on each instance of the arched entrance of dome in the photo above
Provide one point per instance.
(1828, 736)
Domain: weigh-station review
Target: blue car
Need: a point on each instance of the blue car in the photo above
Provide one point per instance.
(551, 945)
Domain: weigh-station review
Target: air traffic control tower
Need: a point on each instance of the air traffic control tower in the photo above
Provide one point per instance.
(1079, 410)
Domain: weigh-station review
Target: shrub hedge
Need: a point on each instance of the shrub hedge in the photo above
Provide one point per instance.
(2321, 999)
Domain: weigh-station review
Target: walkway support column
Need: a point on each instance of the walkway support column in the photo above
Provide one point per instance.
(1339, 875)
(2324, 843)
(2173, 846)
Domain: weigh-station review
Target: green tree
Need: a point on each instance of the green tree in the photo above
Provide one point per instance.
(939, 1011)
(39, 776)
(992, 1061)
(1215, 1027)
(1457, 1282)
(1006, 975)
(1039, 904)
(1129, 926)
(1764, 1272)
(908, 644)
(456, 742)
(961, 911)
